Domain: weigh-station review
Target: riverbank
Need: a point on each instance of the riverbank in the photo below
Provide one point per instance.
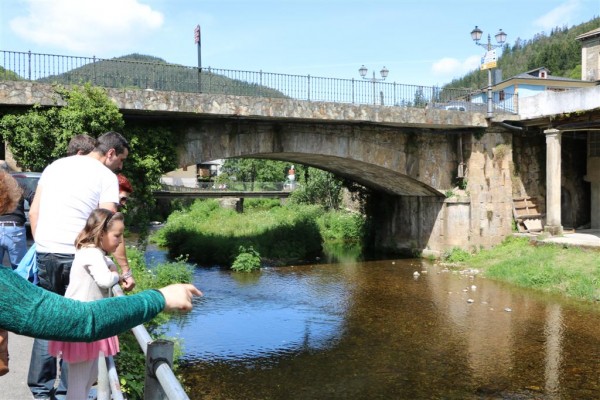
(208, 234)
(542, 264)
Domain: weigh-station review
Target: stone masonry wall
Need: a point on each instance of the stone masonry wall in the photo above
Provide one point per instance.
(480, 218)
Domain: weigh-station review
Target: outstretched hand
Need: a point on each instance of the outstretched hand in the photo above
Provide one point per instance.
(178, 297)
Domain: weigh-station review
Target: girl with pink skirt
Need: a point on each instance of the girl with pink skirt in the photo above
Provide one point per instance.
(92, 276)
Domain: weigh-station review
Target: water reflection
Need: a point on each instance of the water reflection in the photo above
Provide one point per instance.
(377, 330)
(247, 316)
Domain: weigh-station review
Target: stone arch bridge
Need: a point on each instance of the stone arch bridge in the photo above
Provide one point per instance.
(398, 150)
(410, 156)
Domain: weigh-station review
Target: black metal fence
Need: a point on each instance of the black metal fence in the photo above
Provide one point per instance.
(132, 73)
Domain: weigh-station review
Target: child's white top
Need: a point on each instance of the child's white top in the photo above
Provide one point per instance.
(92, 275)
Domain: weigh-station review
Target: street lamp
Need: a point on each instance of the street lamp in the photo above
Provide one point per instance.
(489, 61)
(363, 73)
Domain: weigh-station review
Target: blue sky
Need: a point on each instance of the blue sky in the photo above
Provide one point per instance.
(424, 42)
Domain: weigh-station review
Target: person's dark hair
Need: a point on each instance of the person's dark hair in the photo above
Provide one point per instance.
(111, 140)
(81, 144)
(99, 222)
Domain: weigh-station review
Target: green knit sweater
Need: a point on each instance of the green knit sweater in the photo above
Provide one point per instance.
(29, 310)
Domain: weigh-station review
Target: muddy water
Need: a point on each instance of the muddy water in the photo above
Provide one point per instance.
(374, 330)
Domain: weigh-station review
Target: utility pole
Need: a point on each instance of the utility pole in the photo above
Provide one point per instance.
(197, 39)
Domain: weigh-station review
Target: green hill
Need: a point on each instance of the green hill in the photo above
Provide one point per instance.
(558, 51)
(148, 72)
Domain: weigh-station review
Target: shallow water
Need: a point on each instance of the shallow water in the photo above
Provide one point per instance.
(373, 330)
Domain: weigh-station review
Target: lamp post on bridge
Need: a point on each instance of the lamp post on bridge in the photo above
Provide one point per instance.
(489, 61)
(384, 73)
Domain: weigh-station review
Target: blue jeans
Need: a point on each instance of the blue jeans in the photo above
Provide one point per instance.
(13, 240)
(53, 272)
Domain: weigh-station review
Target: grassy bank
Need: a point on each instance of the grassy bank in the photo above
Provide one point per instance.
(208, 234)
(572, 271)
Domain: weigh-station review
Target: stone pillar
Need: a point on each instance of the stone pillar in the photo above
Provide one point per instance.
(553, 181)
(593, 177)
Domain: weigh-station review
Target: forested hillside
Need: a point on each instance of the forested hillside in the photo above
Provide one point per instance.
(557, 51)
(148, 72)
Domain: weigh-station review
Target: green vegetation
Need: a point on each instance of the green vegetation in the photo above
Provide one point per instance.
(558, 51)
(247, 260)
(209, 234)
(572, 271)
(131, 360)
(318, 187)
(41, 135)
(9, 75)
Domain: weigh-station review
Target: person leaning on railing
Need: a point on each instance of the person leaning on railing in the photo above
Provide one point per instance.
(29, 310)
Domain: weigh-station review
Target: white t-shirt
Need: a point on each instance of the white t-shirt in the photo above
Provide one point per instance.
(72, 187)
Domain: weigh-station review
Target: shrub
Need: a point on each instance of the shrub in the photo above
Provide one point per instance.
(247, 260)
(456, 255)
(341, 226)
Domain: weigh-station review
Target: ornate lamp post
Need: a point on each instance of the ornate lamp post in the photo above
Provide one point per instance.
(384, 73)
(489, 61)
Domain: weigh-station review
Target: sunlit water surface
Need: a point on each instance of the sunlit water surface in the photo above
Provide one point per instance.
(374, 330)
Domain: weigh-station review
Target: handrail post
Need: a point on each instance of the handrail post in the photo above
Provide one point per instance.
(29, 64)
(160, 352)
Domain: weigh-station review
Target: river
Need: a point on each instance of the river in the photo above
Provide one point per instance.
(390, 329)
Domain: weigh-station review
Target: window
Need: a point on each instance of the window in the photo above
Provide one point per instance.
(501, 95)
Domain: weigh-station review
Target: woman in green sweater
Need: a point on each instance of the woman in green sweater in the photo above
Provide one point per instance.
(28, 310)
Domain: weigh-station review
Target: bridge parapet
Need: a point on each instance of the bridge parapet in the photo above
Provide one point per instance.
(175, 104)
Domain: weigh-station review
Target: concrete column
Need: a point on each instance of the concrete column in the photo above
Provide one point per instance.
(593, 177)
(553, 181)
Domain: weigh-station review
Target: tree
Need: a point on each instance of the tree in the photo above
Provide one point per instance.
(41, 135)
(419, 100)
(321, 187)
(252, 170)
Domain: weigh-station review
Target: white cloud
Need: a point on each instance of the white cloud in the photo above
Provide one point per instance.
(559, 16)
(447, 68)
(86, 25)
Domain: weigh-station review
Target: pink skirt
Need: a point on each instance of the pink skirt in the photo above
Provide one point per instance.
(75, 352)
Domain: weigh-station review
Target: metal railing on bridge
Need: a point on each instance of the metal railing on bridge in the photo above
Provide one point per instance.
(139, 73)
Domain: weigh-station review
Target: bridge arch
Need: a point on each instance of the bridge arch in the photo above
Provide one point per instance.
(399, 161)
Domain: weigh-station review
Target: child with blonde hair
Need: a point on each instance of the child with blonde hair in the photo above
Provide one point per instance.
(92, 276)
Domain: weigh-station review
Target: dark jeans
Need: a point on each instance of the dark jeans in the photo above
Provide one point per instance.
(53, 273)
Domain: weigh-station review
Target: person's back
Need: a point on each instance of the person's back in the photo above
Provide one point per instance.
(72, 188)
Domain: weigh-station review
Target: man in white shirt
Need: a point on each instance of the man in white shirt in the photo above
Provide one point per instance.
(68, 191)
